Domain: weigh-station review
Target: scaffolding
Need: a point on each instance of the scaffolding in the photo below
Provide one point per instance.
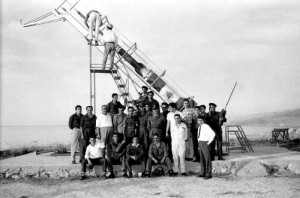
(132, 68)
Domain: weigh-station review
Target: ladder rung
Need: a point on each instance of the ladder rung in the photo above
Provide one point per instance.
(117, 77)
(103, 71)
(121, 86)
(124, 94)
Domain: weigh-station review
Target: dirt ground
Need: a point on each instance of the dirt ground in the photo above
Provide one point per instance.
(190, 186)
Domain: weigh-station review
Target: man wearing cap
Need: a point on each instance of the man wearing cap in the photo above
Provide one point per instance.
(118, 122)
(143, 96)
(213, 120)
(156, 124)
(110, 40)
(143, 130)
(95, 21)
(205, 138)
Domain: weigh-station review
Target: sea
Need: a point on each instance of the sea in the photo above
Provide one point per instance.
(25, 136)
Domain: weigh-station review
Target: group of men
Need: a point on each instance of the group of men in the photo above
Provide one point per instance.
(146, 136)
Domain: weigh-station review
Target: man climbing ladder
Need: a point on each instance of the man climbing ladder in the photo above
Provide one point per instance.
(95, 21)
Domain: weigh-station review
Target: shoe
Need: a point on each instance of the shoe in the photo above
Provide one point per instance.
(207, 177)
(194, 159)
(200, 175)
(174, 174)
(80, 161)
(73, 162)
(130, 175)
(146, 175)
(96, 43)
(170, 173)
(82, 177)
(110, 176)
(90, 42)
(183, 174)
(221, 158)
(110, 68)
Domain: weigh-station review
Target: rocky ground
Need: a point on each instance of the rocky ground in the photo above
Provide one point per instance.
(191, 186)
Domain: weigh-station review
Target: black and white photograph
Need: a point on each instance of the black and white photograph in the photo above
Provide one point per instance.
(140, 98)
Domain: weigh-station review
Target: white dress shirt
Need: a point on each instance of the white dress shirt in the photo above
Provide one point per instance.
(94, 151)
(109, 36)
(179, 133)
(205, 133)
(170, 117)
(104, 121)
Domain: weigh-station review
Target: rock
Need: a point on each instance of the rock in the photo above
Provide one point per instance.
(223, 170)
(294, 168)
(15, 177)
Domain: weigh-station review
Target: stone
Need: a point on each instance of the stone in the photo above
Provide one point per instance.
(15, 177)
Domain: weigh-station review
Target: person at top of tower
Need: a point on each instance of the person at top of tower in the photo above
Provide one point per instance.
(110, 40)
(95, 21)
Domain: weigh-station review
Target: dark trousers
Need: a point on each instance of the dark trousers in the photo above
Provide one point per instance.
(129, 162)
(167, 163)
(195, 144)
(205, 160)
(96, 161)
(108, 163)
(82, 148)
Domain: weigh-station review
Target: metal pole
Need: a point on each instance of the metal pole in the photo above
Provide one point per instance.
(91, 89)
(94, 92)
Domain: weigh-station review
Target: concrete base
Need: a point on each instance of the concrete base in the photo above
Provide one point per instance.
(266, 160)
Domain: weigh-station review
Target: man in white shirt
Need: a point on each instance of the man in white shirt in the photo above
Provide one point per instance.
(93, 156)
(104, 126)
(110, 40)
(171, 118)
(205, 136)
(95, 21)
(179, 136)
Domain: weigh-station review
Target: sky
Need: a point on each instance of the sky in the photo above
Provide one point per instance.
(205, 46)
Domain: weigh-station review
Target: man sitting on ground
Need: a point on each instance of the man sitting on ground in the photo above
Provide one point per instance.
(93, 156)
(135, 153)
(115, 154)
(158, 154)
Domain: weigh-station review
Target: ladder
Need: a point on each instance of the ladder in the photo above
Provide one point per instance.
(131, 65)
(238, 131)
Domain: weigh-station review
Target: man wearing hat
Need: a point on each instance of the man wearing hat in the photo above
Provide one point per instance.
(110, 40)
(95, 21)
(214, 119)
(143, 96)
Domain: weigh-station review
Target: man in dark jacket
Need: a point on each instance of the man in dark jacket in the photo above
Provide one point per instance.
(87, 130)
(158, 154)
(135, 154)
(74, 125)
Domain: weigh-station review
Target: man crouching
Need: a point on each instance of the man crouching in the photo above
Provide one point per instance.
(93, 156)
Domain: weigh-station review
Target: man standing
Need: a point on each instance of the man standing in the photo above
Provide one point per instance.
(148, 109)
(115, 154)
(205, 137)
(156, 124)
(164, 107)
(158, 154)
(113, 106)
(179, 136)
(110, 40)
(95, 21)
(213, 120)
(143, 130)
(171, 124)
(87, 130)
(135, 153)
(187, 110)
(93, 156)
(143, 96)
(152, 101)
(131, 124)
(203, 112)
(104, 127)
(118, 122)
(74, 125)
